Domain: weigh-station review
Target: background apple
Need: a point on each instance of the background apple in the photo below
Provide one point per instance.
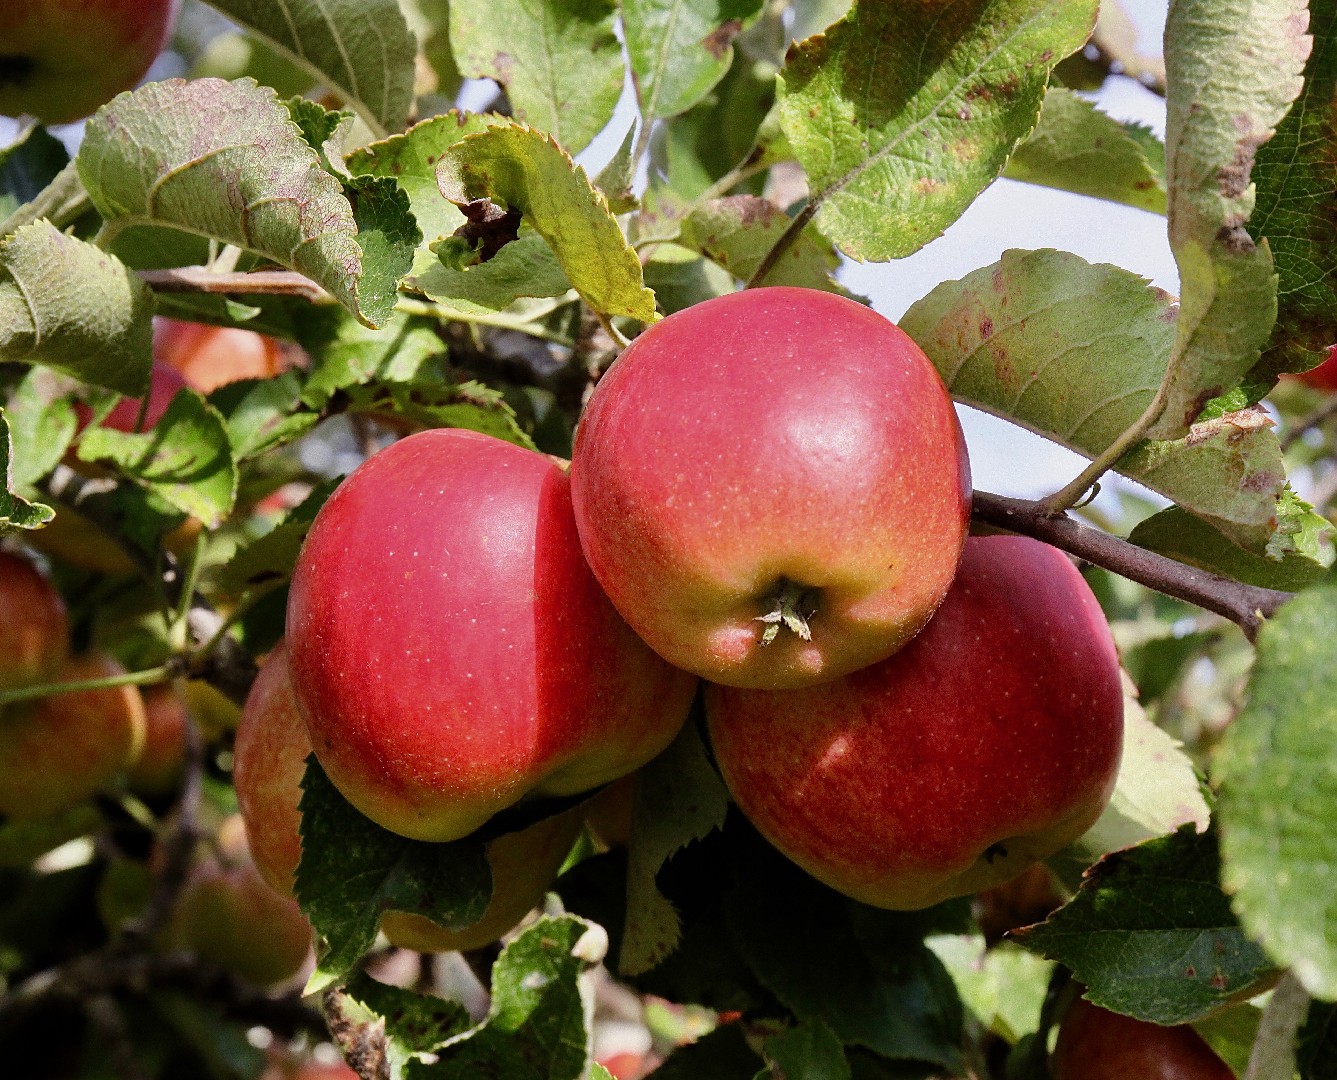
(457, 654)
(770, 446)
(229, 916)
(34, 627)
(208, 357)
(1323, 377)
(157, 769)
(164, 382)
(1095, 1044)
(58, 751)
(990, 741)
(269, 759)
(61, 59)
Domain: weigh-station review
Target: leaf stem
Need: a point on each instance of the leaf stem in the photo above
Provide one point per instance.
(783, 243)
(1248, 606)
(159, 674)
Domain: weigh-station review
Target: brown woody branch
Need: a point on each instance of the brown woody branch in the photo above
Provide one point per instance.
(197, 279)
(1245, 605)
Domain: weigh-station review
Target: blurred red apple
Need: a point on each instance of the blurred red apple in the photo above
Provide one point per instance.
(1095, 1044)
(34, 628)
(452, 653)
(772, 487)
(987, 743)
(158, 768)
(164, 382)
(1323, 377)
(61, 59)
(57, 751)
(208, 357)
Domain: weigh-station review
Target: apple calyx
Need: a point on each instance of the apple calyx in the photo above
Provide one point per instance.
(788, 599)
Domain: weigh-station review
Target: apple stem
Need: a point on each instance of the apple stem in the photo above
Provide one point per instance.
(786, 613)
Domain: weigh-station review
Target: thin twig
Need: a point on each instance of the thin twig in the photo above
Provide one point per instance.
(1306, 424)
(362, 1044)
(196, 279)
(1245, 605)
(1273, 1054)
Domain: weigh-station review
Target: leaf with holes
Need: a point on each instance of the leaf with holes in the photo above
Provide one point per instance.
(901, 114)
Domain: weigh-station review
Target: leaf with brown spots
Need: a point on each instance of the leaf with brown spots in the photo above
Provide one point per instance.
(1232, 70)
(902, 114)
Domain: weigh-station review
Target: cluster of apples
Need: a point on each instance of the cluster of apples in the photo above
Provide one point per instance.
(769, 491)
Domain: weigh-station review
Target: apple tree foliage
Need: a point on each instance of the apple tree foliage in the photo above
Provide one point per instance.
(312, 180)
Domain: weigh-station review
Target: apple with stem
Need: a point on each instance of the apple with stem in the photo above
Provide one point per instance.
(772, 487)
(269, 761)
(989, 742)
(1096, 1044)
(451, 652)
(57, 751)
(61, 59)
(34, 626)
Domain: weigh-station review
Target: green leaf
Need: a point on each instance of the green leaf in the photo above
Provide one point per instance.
(864, 972)
(535, 1027)
(901, 114)
(679, 798)
(43, 424)
(529, 172)
(811, 1051)
(1151, 934)
(618, 177)
(1075, 351)
(723, 1053)
(558, 60)
(67, 305)
(224, 160)
(1189, 540)
(23, 840)
(1278, 792)
(1296, 210)
(738, 231)
(680, 49)
(681, 278)
(1231, 1033)
(262, 414)
(411, 160)
(471, 405)
(360, 49)
(1232, 71)
(28, 166)
(269, 560)
(185, 458)
(352, 871)
(1076, 147)
(526, 267)
(1156, 793)
(345, 354)
(414, 1023)
(1004, 987)
(15, 512)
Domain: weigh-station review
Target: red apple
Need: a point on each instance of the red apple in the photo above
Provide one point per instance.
(208, 357)
(57, 751)
(1323, 377)
(158, 768)
(987, 743)
(778, 459)
(229, 916)
(269, 760)
(164, 382)
(34, 628)
(452, 653)
(61, 59)
(1095, 1044)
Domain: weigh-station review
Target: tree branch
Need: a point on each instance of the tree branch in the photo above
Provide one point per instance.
(1245, 605)
(196, 279)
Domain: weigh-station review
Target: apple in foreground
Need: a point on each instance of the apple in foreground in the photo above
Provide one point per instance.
(450, 650)
(772, 487)
(269, 760)
(1095, 1044)
(57, 751)
(34, 626)
(208, 357)
(61, 59)
(989, 742)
